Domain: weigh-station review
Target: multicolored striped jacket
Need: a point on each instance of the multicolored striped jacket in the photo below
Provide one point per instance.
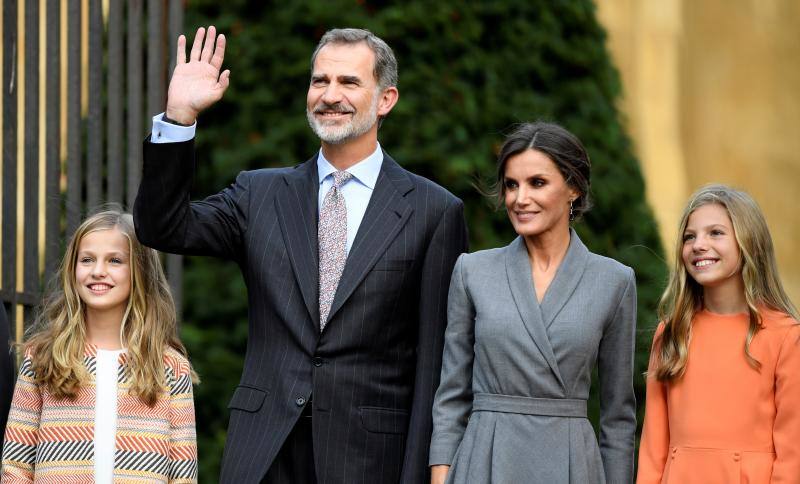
(51, 441)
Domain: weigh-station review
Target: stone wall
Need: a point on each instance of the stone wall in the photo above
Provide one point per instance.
(712, 94)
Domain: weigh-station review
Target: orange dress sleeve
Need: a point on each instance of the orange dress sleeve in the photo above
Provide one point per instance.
(786, 432)
(654, 446)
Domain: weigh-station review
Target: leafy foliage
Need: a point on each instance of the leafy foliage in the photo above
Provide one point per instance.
(468, 72)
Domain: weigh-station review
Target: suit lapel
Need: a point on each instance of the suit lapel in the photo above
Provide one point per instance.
(387, 212)
(566, 279)
(297, 214)
(518, 270)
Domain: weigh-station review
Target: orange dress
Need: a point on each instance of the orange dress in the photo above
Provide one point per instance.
(724, 422)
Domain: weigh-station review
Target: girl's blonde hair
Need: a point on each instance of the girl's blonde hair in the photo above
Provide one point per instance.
(684, 296)
(148, 328)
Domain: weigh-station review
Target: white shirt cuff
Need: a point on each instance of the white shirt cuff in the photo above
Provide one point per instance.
(164, 132)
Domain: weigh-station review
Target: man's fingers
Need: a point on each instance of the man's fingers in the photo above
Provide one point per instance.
(180, 57)
(222, 85)
(224, 80)
(219, 52)
(197, 44)
(208, 46)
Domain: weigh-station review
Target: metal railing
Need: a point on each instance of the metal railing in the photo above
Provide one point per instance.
(80, 79)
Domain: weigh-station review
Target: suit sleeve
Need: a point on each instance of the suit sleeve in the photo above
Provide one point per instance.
(453, 403)
(166, 220)
(617, 400)
(654, 445)
(22, 431)
(183, 438)
(786, 430)
(448, 242)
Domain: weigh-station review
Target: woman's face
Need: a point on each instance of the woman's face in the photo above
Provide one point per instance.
(537, 197)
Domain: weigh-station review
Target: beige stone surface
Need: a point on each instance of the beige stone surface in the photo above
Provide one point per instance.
(712, 94)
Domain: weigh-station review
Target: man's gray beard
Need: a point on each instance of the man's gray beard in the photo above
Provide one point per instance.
(336, 135)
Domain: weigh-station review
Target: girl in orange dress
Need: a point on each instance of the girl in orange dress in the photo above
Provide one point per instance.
(723, 385)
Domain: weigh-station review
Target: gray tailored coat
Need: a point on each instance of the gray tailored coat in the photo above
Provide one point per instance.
(516, 373)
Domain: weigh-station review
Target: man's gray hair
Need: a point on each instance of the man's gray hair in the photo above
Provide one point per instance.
(385, 70)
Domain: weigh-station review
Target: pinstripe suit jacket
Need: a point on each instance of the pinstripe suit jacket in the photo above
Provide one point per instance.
(374, 369)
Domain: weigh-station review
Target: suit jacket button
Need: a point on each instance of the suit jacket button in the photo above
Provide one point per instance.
(317, 361)
(300, 401)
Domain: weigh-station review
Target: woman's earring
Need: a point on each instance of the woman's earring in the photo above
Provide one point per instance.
(571, 214)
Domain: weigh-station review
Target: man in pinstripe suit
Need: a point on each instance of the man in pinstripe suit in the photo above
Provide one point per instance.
(347, 259)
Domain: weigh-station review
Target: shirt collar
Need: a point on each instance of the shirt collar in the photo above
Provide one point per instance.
(365, 171)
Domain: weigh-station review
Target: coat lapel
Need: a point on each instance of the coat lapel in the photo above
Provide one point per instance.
(518, 270)
(387, 212)
(567, 277)
(297, 214)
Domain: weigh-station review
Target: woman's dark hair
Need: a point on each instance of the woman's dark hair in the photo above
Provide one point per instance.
(561, 146)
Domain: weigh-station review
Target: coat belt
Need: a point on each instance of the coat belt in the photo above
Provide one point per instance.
(553, 407)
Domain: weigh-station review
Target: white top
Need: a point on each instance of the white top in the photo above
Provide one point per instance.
(105, 415)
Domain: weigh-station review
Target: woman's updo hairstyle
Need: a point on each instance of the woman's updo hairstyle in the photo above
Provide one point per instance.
(561, 146)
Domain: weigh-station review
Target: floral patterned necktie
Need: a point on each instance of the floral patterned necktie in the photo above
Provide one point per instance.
(332, 234)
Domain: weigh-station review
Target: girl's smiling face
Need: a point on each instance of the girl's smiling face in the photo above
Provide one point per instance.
(710, 252)
(103, 271)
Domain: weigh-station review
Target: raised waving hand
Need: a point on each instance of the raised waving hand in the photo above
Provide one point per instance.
(197, 83)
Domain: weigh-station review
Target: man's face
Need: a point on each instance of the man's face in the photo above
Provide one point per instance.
(343, 100)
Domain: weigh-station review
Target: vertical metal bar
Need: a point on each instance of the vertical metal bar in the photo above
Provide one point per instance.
(30, 261)
(175, 278)
(9, 223)
(94, 125)
(5, 334)
(135, 126)
(114, 82)
(74, 131)
(53, 129)
(175, 29)
(155, 56)
(175, 261)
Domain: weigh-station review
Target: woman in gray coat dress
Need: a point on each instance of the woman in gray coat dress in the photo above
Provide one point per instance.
(527, 324)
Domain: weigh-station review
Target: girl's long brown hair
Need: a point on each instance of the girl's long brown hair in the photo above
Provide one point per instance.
(148, 327)
(683, 296)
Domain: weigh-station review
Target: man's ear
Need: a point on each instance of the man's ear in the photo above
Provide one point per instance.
(388, 98)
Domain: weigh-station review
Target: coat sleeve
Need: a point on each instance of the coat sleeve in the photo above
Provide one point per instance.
(453, 402)
(182, 439)
(654, 445)
(22, 430)
(166, 220)
(617, 400)
(448, 242)
(786, 430)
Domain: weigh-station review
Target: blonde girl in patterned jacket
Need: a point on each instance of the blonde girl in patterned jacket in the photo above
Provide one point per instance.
(104, 393)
